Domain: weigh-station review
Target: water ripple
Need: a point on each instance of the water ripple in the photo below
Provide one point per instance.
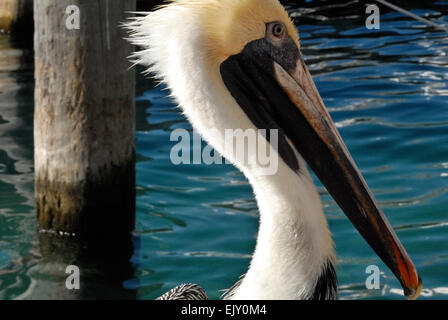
(379, 121)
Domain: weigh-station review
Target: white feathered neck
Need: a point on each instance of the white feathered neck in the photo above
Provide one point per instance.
(294, 244)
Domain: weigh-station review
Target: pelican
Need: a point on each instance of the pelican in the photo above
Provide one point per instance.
(237, 64)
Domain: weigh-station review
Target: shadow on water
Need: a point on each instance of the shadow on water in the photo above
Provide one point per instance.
(103, 269)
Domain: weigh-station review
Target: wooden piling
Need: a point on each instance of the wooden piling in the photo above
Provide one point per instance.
(84, 120)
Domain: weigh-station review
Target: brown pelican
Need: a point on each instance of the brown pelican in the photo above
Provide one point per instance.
(237, 64)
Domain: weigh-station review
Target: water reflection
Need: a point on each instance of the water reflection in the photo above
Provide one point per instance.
(17, 223)
(16, 86)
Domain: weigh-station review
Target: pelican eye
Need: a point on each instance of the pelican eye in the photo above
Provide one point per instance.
(278, 30)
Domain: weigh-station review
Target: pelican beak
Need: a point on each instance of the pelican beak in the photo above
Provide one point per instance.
(275, 89)
(319, 142)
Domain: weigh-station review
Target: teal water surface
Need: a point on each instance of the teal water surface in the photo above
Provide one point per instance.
(387, 92)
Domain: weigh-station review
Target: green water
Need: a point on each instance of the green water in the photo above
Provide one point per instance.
(387, 91)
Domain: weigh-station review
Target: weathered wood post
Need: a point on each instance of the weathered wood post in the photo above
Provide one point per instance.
(84, 119)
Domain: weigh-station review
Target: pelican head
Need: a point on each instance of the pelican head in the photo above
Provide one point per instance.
(237, 64)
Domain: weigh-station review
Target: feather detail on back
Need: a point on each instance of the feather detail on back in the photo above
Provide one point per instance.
(187, 291)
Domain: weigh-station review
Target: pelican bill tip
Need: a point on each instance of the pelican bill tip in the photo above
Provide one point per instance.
(414, 293)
